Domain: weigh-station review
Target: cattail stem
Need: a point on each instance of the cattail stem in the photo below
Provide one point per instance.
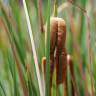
(55, 8)
(40, 15)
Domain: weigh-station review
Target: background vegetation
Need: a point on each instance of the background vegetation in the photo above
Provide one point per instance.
(18, 74)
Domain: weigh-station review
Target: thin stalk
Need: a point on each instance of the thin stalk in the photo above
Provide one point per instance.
(40, 15)
(47, 54)
(55, 8)
(75, 89)
(33, 48)
(22, 81)
(56, 14)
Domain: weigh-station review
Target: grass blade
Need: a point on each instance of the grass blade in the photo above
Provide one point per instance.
(33, 48)
(47, 53)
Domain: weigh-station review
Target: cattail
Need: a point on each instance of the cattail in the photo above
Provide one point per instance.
(57, 44)
(58, 37)
(40, 15)
(43, 62)
(61, 56)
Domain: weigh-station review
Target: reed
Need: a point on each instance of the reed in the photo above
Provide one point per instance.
(47, 48)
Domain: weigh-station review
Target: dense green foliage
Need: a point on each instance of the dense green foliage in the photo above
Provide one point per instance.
(18, 75)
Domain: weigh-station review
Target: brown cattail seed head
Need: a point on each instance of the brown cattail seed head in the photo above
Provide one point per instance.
(58, 33)
(61, 57)
(44, 63)
(44, 60)
(58, 37)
